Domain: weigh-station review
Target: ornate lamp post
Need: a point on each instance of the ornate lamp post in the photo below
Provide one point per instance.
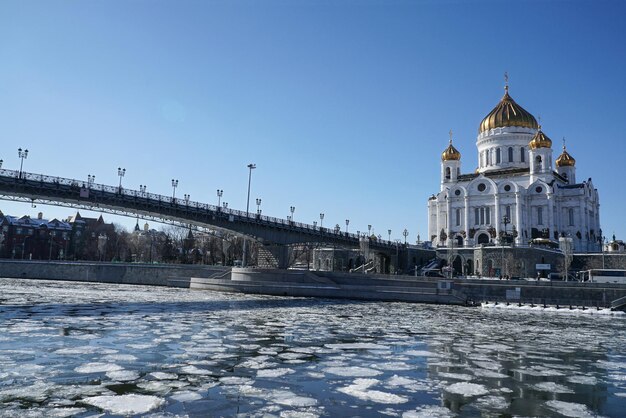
(389, 234)
(90, 180)
(219, 197)
(22, 155)
(258, 206)
(174, 186)
(292, 209)
(244, 262)
(142, 189)
(225, 205)
(406, 234)
(369, 231)
(1, 161)
(187, 199)
(347, 223)
(321, 220)
(121, 172)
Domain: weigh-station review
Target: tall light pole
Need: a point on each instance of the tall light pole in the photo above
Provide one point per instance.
(258, 205)
(22, 155)
(121, 172)
(225, 205)
(321, 220)
(142, 189)
(505, 220)
(174, 186)
(187, 197)
(292, 209)
(244, 262)
(219, 197)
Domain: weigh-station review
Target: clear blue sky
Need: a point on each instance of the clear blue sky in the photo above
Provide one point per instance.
(344, 106)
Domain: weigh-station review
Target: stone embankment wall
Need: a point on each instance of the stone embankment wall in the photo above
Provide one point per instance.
(122, 273)
(599, 261)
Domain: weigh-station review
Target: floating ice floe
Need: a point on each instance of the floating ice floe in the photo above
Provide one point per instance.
(492, 402)
(274, 372)
(130, 404)
(360, 389)
(195, 370)
(357, 346)
(582, 380)
(285, 397)
(466, 389)
(352, 371)
(236, 380)
(164, 376)
(421, 353)
(97, 367)
(456, 376)
(429, 411)
(570, 409)
(123, 375)
(186, 396)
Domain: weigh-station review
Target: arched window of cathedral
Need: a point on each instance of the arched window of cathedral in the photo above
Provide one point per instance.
(570, 215)
(458, 171)
(498, 159)
(522, 155)
(538, 163)
(510, 154)
(457, 217)
(447, 173)
(487, 157)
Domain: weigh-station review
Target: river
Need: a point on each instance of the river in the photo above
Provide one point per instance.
(82, 349)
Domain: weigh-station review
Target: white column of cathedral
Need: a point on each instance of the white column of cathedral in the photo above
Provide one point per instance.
(448, 215)
(497, 214)
(466, 220)
(518, 218)
(550, 214)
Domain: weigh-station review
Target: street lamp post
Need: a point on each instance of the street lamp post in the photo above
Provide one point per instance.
(219, 197)
(174, 186)
(90, 180)
(505, 220)
(369, 231)
(244, 262)
(347, 223)
(292, 209)
(121, 172)
(22, 155)
(258, 206)
(142, 189)
(321, 220)
(225, 205)
(389, 234)
(406, 234)
(187, 197)
(1, 161)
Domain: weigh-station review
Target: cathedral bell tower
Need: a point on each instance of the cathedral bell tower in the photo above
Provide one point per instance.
(566, 166)
(540, 156)
(450, 165)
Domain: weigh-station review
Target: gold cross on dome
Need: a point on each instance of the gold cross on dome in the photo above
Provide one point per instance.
(450, 133)
(506, 80)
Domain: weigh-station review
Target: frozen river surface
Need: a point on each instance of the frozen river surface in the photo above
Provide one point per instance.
(76, 349)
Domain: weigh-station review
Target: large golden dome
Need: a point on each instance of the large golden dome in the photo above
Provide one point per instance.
(540, 140)
(450, 153)
(565, 160)
(507, 113)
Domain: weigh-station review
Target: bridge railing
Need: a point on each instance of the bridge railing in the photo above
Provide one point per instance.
(123, 191)
(158, 198)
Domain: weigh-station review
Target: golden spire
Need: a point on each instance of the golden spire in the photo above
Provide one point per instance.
(506, 81)
(565, 159)
(450, 153)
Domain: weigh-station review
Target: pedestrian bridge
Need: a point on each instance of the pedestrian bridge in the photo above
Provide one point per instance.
(50, 190)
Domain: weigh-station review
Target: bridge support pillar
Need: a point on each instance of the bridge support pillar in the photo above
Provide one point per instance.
(273, 256)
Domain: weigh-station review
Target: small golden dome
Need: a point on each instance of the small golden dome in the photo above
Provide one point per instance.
(507, 113)
(450, 153)
(540, 140)
(565, 160)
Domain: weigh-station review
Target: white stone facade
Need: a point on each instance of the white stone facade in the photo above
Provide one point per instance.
(514, 189)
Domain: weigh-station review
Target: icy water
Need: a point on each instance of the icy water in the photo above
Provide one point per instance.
(75, 349)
